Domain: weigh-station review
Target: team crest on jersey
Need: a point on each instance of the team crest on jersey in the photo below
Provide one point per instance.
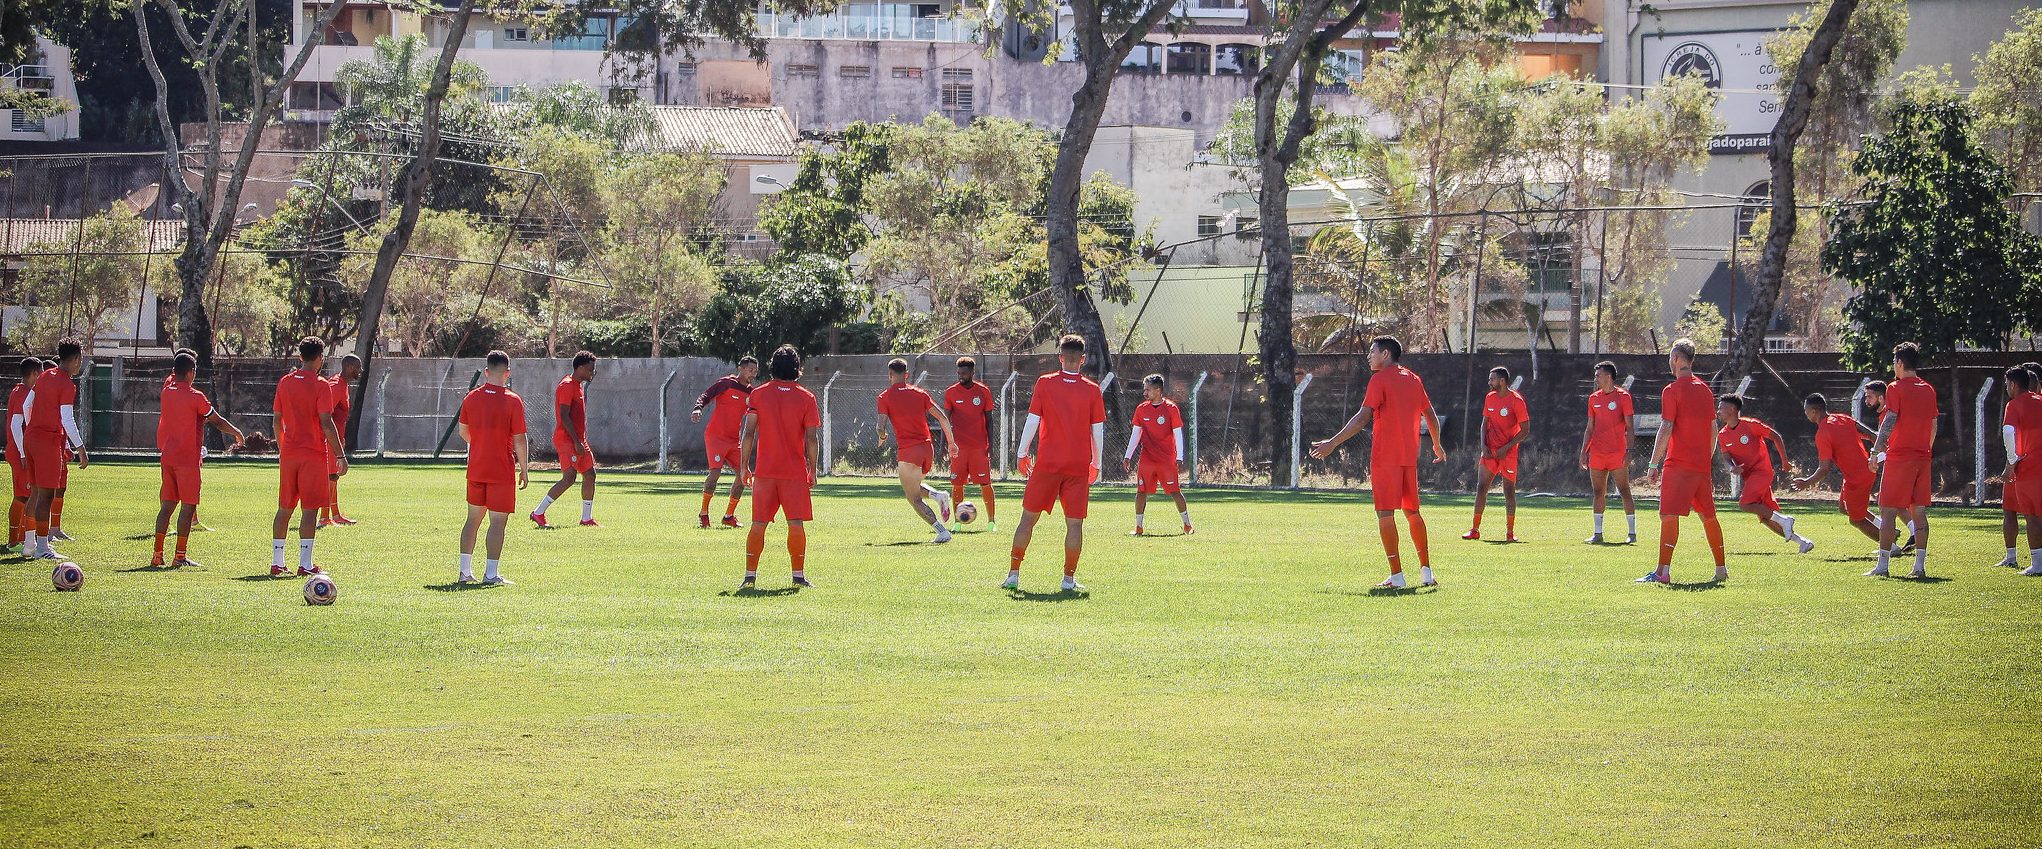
(1612, 405)
(977, 401)
(1744, 440)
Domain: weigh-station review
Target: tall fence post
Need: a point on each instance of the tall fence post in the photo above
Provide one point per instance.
(829, 431)
(1007, 421)
(921, 377)
(1297, 430)
(1858, 399)
(1978, 437)
(383, 415)
(664, 439)
(1106, 383)
(1191, 462)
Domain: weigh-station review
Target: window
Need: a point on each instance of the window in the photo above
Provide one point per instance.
(1236, 60)
(900, 73)
(623, 96)
(502, 93)
(1145, 58)
(1187, 57)
(956, 74)
(959, 100)
(1208, 225)
(802, 69)
(22, 123)
(1245, 228)
(684, 68)
(856, 72)
(516, 34)
(594, 35)
(1757, 199)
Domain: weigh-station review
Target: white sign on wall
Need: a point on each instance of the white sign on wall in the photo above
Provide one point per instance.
(1733, 64)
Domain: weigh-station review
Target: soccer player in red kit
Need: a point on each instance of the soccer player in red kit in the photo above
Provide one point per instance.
(49, 438)
(1396, 403)
(56, 531)
(570, 442)
(499, 464)
(1606, 448)
(343, 404)
(2021, 428)
(782, 451)
(1840, 445)
(1743, 441)
(306, 437)
(1068, 413)
(907, 409)
(1158, 433)
(970, 406)
(180, 436)
(1907, 435)
(1506, 424)
(720, 438)
(1685, 448)
(17, 426)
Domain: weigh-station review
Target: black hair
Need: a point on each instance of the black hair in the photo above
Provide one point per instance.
(310, 347)
(1608, 367)
(1072, 343)
(584, 358)
(1155, 380)
(1815, 399)
(1390, 345)
(1733, 399)
(786, 363)
(1501, 372)
(351, 359)
(69, 349)
(2021, 377)
(1908, 354)
(31, 365)
(967, 362)
(184, 365)
(1878, 386)
(897, 365)
(497, 359)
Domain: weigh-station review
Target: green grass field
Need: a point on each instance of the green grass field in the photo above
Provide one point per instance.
(1240, 687)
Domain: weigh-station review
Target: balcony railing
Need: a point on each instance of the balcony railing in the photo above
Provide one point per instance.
(869, 22)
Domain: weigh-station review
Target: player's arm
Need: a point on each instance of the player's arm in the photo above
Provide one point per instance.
(15, 425)
(521, 445)
(1324, 448)
(67, 416)
(564, 414)
(333, 439)
(1098, 448)
(942, 420)
(1659, 446)
(811, 451)
(1178, 432)
(1134, 442)
(1523, 432)
(220, 423)
(1821, 471)
(2006, 435)
(703, 400)
(1432, 427)
(1879, 440)
(1780, 445)
(747, 442)
(1587, 433)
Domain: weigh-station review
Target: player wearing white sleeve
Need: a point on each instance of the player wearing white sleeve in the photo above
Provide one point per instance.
(1068, 412)
(50, 436)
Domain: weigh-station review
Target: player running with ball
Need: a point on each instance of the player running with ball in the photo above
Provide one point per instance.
(1068, 413)
(1743, 442)
(1158, 433)
(1396, 403)
(499, 464)
(907, 409)
(781, 449)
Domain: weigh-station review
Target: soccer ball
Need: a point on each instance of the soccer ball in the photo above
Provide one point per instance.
(320, 590)
(966, 512)
(67, 577)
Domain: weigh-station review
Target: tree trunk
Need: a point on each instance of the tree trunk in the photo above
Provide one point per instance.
(1066, 265)
(1772, 263)
(411, 184)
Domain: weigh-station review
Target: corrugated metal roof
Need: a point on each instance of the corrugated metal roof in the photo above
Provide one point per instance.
(17, 234)
(722, 130)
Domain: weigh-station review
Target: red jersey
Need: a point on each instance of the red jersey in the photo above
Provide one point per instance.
(1911, 401)
(53, 391)
(1069, 404)
(1744, 444)
(907, 406)
(494, 416)
(180, 424)
(1839, 440)
(1503, 415)
(15, 399)
(2024, 415)
(1397, 395)
(728, 393)
(967, 407)
(786, 413)
(1606, 414)
(301, 397)
(1158, 422)
(1688, 404)
(342, 404)
(573, 394)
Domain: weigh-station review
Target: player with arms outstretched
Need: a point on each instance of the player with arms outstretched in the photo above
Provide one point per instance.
(499, 464)
(343, 405)
(1506, 424)
(570, 443)
(720, 438)
(907, 409)
(1840, 445)
(306, 438)
(1742, 441)
(183, 413)
(1158, 434)
(781, 448)
(1068, 413)
(1905, 448)
(1606, 448)
(1685, 449)
(18, 523)
(49, 438)
(970, 405)
(1396, 404)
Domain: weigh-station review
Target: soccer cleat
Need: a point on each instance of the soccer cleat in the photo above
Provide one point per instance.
(705, 520)
(1631, 540)
(1394, 582)
(466, 578)
(498, 581)
(1878, 572)
(156, 560)
(2033, 571)
(343, 520)
(1013, 581)
(60, 536)
(730, 521)
(1473, 533)
(1918, 573)
(1429, 582)
(539, 519)
(1593, 539)
(325, 523)
(1722, 574)
(1787, 527)
(1656, 576)
(1807, 545)
(943, 505)
(1510, 537)
(1188, 531)
(1071, 585)
(589, 523)
(802, 581)
(942, 536)
(2007, 562)
(1136, 532)
(183, 562)
(49, 554)
(1906, 547)
(278, 571)
(315, 570)
(749, 582)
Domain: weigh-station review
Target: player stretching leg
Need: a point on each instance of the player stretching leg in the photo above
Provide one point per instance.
(720, 438)
(1743, 443)
(180, 431)
(343, 383)
(1907, 433)
(781, 448)
(1840, 445)
(1396, 403)
(1685, 448)
(18, 524)
(306, 437)
(493, 424)
(1069, 414)
(1606, 448)
(50, 434)
(1506, 424)
(970, 406)
(1157, 427)
(907, 409)
(570, 442)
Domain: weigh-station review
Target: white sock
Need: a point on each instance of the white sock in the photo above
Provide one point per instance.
(1186, 516)
(1138, 521)
(276, 552)
(588, 511)
(467, 565)
(545, 501)
(28, 543)
(1786, 524)
(305, 553)
(488, 569)
(2012, 557)
(938, 525)
(1921, 558)
(2035, 559)
(1911, 529)
(1885, 558)
(1632, 518)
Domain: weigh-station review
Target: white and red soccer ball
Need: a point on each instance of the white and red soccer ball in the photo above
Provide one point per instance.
(966, 512)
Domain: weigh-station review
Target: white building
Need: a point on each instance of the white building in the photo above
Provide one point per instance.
(50, 74)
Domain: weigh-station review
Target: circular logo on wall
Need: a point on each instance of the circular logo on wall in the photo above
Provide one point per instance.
(1694, 57)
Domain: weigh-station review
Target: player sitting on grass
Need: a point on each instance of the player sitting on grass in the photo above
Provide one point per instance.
(780, 448)
(499, 463)
(1158, 433)
(1840, 445)
(1606, 448)
(1068, 413)
(1506, 424)
(907, 409)
(180, 434)
(570, 442)
(1743, 443)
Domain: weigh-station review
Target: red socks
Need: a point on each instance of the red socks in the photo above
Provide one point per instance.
(1418, 539)
(706, 498)
(797, 546)
(985, 492)
(1071, 561)
(1019, 555)
(1387, 524)
(56, 513)
(754, 543)
(1714, 531)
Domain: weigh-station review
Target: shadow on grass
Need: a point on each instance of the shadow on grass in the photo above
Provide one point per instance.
(1383, 592)
(264, 577)
(754, 592)
(139, 537)
(159, 569)
(1696, 586)
(1926, 579)
(460, 586)
(1018, 594)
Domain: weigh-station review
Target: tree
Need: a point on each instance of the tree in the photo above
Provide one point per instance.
(2008, 99)
(761, 306)
(1937, 256)
(823, 211)
(81, 284)
(1801, 83)
(659, 211)
(251, 315)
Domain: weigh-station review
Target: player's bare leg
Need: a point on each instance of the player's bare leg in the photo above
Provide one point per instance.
(559, 488)
(1183, 509)
(588, 500)
(494, 546)
(1920, 521)
(162, 530)
(1509, 510)
(708, 491)
(754, 545)
(1024, 531)
(915, 490)
(797, 551)
(470, 529)
(1481, 502)
(37, 540)
(1779, 523)
(2010, 531)
(1623, 479)
(1423, 545)
(308, 532)
(1669, 540)
(1713, 531)
(57, 516)
(1889, 524)
(1598, 489)
(1074, 546)
(339, 518)
(729, 507)
(1867, 527)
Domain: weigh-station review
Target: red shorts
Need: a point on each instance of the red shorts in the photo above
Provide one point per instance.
(771, 496)
(1394, 487)
(48, 461)
(180, 484)
(2026, 493)
(1156, 474)
(20, 469)
(722, 452)
(1047, 489)
(1617, 462)
(1856, 500)
(495, 497)
(304, 483)
(1684, 491)
(1906, 483)
(1755, 488)
(573, 456)
(973, 465)
(1505, 466)
(920, 454)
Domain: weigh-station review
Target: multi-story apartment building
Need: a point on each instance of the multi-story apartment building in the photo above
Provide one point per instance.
(49, 74)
